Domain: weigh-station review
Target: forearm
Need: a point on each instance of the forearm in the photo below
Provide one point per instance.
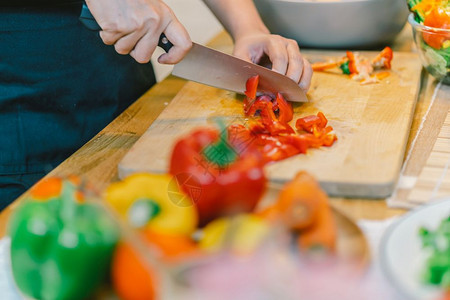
(239, 17)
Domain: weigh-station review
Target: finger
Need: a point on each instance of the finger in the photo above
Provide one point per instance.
(305, 80)
(145, 47)
(128, 42)
(113, 32)
(295, 64)
(179, 37)
(276, 50)
(111, 37)
(242, 53)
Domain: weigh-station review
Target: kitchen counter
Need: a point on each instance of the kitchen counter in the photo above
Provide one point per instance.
(97, 160)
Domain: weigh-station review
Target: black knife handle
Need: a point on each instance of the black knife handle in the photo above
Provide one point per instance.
(88, 20)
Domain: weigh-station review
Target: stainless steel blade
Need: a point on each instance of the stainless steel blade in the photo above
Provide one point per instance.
(214, 68)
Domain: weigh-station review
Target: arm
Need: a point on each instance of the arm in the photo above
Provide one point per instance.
(253, 40)
(134, 27)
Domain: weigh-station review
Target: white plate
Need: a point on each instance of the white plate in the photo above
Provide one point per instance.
(401, 254)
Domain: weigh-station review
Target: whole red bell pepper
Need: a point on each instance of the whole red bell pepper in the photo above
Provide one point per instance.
(225, 174)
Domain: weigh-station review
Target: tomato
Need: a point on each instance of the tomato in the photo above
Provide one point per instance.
(437, 18)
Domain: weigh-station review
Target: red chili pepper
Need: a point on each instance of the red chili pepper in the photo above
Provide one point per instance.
(226, 173)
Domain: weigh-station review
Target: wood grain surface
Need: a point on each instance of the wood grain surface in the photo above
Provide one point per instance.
(372, 123)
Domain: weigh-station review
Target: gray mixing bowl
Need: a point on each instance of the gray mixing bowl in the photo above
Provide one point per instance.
(335, 23)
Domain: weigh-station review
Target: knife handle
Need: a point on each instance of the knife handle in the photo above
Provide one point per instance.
(88, 20)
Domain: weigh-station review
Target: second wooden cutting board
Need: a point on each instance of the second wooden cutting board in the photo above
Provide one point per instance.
(372, 123)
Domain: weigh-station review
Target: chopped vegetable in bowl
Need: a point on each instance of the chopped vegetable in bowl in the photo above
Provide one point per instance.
(430, 20)
(437, 265)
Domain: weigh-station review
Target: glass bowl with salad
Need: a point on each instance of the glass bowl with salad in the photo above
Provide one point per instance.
(430, 21)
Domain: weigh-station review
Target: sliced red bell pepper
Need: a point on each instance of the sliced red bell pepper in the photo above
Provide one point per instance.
(323, 120)
(272, 136)
(268, 118)
(251, 87)
(228, 172)
(266, 106)
(307, 123)
(286, 112)
(319, 134)
(328, 140)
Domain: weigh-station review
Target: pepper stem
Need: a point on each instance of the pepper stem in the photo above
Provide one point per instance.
(221, 153)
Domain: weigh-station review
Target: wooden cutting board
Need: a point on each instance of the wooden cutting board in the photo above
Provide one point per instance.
(372, 123)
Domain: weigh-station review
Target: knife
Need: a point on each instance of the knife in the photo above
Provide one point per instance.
(211, 67)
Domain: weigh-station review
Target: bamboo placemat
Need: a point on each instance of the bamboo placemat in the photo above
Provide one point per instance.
(426, 174)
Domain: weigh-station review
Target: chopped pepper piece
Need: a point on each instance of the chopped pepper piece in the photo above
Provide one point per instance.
(383, 59)
(360, 68)
(266, 107)
(61, 246)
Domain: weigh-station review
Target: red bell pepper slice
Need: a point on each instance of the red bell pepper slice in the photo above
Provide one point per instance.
(251, 87)
(268, 118)
(286, 112)
(328, 140)
(323, 120)
(307, 123)
(253, 104)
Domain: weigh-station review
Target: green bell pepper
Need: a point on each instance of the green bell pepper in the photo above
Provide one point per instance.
(61, 246)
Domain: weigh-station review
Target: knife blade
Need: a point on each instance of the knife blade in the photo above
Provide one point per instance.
(217, 69)
(214, 68)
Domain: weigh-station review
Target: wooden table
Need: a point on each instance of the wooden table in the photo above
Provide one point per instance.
(98, 159)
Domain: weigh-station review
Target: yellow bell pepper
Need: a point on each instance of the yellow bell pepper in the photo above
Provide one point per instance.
(155, 202)
(242, 234)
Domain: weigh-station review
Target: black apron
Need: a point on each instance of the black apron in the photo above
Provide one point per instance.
(59, 86)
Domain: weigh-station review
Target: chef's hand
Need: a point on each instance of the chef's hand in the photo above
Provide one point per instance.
(283, 53)
(134, 27)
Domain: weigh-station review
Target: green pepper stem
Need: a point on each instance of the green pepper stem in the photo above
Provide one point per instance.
(221, 153)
